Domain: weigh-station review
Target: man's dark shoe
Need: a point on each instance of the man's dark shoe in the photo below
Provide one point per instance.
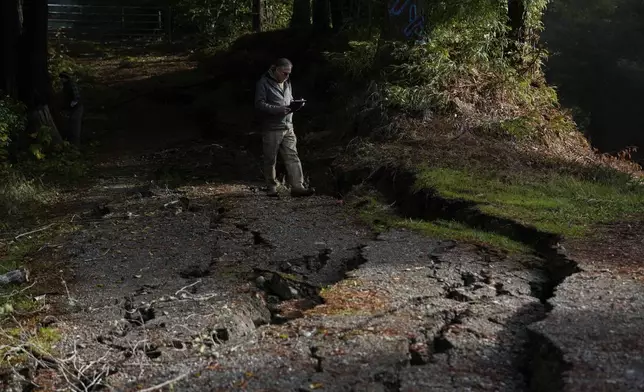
(302, 192)
(272, 191)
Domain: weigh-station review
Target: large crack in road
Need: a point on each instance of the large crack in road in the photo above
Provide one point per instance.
(293, 295)
(223, 289)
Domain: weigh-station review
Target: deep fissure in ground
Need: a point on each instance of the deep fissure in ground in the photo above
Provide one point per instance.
(542, 364)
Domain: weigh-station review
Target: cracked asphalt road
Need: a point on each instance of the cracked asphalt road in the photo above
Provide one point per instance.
(160, 292)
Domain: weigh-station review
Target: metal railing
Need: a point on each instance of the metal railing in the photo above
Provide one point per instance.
(108, 23)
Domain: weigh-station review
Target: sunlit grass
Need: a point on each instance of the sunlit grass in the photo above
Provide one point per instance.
(17, 192)
(382, 217)
(558, 203)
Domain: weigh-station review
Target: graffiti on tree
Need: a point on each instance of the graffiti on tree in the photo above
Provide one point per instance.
(407, 18)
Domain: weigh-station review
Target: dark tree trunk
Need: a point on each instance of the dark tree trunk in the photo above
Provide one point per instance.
(301, 13)
(35, 86)
(516, 19)
(337, 18)
(258, 13)
(321, 15)
(385, 29)
(10, 26)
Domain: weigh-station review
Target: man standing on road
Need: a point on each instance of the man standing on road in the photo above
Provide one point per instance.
(74, 107)
(273, 97)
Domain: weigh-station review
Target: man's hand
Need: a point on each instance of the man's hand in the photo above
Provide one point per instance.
(73, 104)
(287, 110)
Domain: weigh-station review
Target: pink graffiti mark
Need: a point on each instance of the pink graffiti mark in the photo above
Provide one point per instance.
(398, 7)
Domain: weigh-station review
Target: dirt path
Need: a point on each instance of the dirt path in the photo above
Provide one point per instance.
(205, 284)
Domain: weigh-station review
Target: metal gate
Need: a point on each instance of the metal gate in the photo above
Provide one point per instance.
(109, 23)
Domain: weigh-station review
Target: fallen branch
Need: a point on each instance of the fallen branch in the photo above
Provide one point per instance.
(14, 293)
(183, 289)
(156, 387)
(33, 231)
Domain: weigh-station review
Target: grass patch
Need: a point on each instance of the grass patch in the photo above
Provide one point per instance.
(558, 203)
(12, 299)
(381, 217)
(444, 229)
(15, 343)
(18, 192)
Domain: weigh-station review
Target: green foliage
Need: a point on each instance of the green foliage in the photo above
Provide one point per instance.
(277, 14)
(358, 62)
(558, 203)
(214, 21)
(466, 60)
(18, 192)
(16, 342)
(466, 40)
(59, 61)
(66, 165)
(380, 216)
(12, 122)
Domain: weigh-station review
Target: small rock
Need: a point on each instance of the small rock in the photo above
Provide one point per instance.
(260, 281)
(280, 287)
(419, 353)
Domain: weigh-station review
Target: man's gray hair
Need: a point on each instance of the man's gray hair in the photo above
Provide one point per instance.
(283, 62)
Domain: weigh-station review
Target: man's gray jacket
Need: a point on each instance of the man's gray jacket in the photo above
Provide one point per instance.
(270, 101)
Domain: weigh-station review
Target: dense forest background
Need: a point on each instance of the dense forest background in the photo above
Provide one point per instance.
(504, 67)
(596, 57)
(594, 52)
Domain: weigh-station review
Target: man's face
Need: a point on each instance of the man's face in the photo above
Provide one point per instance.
(282, 73)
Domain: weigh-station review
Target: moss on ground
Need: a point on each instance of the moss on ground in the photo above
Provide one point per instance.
(16, 344)
(556, 203)
(381, 217)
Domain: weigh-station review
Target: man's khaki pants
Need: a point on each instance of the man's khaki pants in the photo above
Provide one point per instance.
(285, 142)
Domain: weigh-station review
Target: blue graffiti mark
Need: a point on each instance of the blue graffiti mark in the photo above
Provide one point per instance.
(416, 22)
(398, 7)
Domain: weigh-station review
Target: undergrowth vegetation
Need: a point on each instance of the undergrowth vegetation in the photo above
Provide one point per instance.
(554, 203)
(374, 211)
(28, 158)
(469, 111)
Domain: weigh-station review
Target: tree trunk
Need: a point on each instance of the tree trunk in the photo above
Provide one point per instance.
(258, 12)
(321, 16)
(516, 19)
(35, 87)
(41, 117)
(10, 26)
(385, 28)
(301, 13)
(337, 18)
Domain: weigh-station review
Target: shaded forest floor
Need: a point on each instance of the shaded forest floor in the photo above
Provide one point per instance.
(170, 267)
